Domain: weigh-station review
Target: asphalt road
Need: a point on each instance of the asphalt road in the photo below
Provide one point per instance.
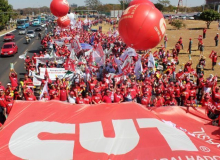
(33, 47)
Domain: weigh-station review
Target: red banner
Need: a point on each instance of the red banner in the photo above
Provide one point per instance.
(128, 131)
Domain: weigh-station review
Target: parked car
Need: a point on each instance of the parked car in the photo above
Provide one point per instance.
(9, 49)
(9, 37)
(22, 31)
(190, 17)
(38, 29)
(182, 17)
(31, 33)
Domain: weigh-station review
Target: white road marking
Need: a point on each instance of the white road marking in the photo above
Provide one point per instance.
(15, 63)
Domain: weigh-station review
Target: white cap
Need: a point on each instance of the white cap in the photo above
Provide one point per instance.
(180, 70)
(9, 84)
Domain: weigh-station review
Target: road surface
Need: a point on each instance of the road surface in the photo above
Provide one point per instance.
(33, 47)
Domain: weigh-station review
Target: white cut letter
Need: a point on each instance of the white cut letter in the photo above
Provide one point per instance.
(25, 144)
(126, 137)
(176, 139)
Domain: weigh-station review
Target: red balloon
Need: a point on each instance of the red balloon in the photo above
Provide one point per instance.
(59, 8)
(134, 2)
(142, 26)
(63, 21)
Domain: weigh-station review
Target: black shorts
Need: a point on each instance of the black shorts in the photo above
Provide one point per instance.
(213, 63)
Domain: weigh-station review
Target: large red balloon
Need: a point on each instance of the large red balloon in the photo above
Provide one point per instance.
(142, 26)
(63, 21)
(134, 2)
(59, 8)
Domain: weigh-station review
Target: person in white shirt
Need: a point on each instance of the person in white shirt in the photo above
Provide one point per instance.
(71, 98)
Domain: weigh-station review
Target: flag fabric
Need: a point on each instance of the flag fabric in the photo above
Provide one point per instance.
(76, 45)
(151, 61)
(23, 56)
(45, 89)
(85, 46)
(70, 66)
(126, 65)
(138, 68)
(129, 52)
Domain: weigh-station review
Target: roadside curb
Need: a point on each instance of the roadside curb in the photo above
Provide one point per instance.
(8, 32)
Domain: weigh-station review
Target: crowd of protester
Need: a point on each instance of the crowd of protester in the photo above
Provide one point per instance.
(161, 85)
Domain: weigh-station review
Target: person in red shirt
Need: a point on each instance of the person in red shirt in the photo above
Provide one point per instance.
(63, 94)
(206, 101)
(184, 95)
(107, 98)
(172, 101)
(118, 97)
(158, 101)
(56, 96)
(9, 105)
(190, 103)
(2, 87)
(177, 93)
(96, 98)
(45, 97)
(146, 100)
(181, 42)
(2, 99)
(92, 84)
(214, 60)
(87, 99)
(79, 99)
(215, 94)
(204, 33)
(27, 81)
(13, 78)
(30, 97)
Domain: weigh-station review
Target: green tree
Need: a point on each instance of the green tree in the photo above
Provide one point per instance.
(178, 24)
(124, 4)
(4, 15)
(92, 4)
(209, 16)
(159, 6)
(164, 2)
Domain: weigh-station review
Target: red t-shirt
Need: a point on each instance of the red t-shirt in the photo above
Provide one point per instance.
(106, 99)
(2, 88)
(145, 101)
(9, 106)
(214, 58)
(31, 98)
(159, 102)
(2, 101)
(87, 100)
(79, 100)
(96, 98)
(14, 81)
(63, 95)
(118, 97)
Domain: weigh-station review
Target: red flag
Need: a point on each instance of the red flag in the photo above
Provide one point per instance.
(46, 73)
(100, 50)
(70, 65)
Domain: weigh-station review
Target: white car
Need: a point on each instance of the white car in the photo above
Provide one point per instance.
(43, 25)
(31, 33)
(22, 31)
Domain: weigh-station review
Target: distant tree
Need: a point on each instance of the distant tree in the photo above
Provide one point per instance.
(164, 2)
(159, 6)
(5, 17)
(209, 16)
(178, 24)
(92, 4)
(124, 4)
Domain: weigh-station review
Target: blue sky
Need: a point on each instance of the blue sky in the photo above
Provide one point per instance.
(36, 3)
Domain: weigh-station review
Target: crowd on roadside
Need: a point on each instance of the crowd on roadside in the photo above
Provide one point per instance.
(111, 72)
